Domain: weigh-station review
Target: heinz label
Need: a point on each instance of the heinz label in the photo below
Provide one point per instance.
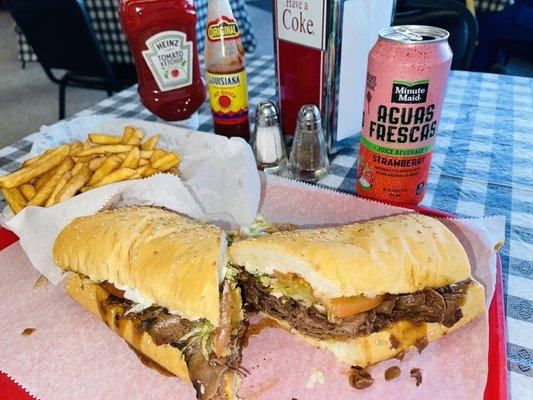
(403, 100)
(169, 58)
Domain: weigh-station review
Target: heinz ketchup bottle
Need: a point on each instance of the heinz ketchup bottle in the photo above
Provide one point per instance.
(162, 37)
(226, 77)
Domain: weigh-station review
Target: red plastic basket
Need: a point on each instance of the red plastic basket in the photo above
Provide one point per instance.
(496, 388)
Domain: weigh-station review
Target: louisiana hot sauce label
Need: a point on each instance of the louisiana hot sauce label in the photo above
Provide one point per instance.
(228, 97)
(228, 94)
(397, 141)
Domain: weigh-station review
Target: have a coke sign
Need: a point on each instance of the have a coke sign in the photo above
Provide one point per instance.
(300, 27)
(301, 22)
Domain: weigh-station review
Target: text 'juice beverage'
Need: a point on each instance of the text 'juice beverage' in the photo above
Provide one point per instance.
(406, 80)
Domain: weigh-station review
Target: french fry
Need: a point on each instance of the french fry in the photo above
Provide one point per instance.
(141, 170)
(150, 143)
(158, 153)
(87, 144)
(44, 193)
(41, 180)
(77, 167)
(109, 165)
(120, 174)
(128, 133)
(136, 137)
(166, 162)
(75, 147)
(173, 170)
(143, 161)
(25, 175)
(97, 138)
(106, 148)
(28, 191)
(15, 199)
(76, 183)
(67, 176)
(95, 163)
(147, 154)
(149, 172)
(132, 159)
(33, 160)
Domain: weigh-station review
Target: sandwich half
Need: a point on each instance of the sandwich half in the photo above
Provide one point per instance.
(367, 292)
(159, 281)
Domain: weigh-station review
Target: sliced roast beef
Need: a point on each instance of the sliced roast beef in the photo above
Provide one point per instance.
(165, 328)
(429, 305)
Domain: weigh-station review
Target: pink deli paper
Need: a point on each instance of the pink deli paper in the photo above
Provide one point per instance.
(73, 355)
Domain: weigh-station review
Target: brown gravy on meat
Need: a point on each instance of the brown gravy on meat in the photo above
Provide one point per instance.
(256, 329)
(150, 363)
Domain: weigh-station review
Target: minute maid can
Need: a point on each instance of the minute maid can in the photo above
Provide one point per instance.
(406, 80)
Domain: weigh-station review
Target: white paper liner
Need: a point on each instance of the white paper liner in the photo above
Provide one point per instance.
(218, 182)
(72, 349)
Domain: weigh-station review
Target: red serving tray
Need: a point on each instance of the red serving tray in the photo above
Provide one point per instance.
(496, 388)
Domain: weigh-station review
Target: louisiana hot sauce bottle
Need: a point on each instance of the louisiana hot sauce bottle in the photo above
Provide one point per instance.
(226, 77)
(406, 80)
(162, 38)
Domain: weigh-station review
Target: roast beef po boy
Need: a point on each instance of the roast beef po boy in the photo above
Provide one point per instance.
(366, 291)
(159, 281)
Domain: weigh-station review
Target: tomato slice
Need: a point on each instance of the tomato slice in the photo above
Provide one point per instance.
(223, 331)
(342, 307)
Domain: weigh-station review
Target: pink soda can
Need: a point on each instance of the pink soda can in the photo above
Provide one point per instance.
(406, 80)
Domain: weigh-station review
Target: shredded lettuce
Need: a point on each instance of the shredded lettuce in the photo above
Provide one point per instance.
(264, 279)
(231, 272)
(201, 332)
(298, 290)
(295, 290)
(237, 312)
(259, 227)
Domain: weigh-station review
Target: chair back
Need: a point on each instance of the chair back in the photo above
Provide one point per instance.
(61, 35)
(451, 15)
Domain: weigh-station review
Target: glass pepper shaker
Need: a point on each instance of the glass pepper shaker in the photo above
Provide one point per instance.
(267, 139)
(309, 157)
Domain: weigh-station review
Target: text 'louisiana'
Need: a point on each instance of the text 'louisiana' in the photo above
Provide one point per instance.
(224, 80)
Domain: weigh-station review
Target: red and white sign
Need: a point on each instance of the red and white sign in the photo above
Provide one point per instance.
(301, 22)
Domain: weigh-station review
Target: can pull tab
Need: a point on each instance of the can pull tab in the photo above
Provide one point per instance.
(407, 33)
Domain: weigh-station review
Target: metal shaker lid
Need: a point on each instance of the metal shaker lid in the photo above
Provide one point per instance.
(309, 118)
(266, 114)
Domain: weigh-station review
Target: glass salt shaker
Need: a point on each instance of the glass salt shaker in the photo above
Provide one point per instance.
(267, 139)
(309, 157)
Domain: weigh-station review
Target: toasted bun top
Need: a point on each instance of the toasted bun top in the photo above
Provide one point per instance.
(166, 259)
(400, 254)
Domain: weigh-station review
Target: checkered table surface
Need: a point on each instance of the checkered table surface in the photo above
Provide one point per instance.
(106, 25)
(481, 166)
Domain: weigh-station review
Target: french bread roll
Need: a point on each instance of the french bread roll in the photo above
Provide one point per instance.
(399, 254)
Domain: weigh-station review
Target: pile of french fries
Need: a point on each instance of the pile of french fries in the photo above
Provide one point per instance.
(62, 172)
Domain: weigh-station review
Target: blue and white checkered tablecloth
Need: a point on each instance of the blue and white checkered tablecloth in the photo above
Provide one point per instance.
(482, 166)
(106, 24)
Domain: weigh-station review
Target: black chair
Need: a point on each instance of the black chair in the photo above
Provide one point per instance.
(61, 35)
(446, 14)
